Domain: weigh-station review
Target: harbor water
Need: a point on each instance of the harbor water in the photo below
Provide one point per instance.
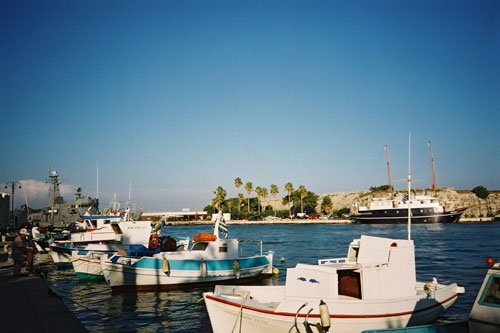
(449, 252)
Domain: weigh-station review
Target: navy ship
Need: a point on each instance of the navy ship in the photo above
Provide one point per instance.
(59, 213)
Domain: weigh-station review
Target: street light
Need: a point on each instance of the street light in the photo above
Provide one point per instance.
(12, 185)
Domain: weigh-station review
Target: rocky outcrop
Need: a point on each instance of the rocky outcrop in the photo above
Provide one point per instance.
(449, 197)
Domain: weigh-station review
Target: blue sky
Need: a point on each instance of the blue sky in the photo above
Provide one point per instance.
(179, 97)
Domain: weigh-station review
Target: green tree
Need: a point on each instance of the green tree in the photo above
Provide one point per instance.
(381, 188)
(289, 189)
(209, 209)
(249, 189)
(302, 194)
(274, 192)
(310, 202)
(482, 192)
(238, 183)
(327, 205)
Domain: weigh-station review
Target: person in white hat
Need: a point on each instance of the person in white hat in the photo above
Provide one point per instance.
(19, 251)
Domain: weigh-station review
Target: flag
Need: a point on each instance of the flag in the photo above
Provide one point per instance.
(222, 225)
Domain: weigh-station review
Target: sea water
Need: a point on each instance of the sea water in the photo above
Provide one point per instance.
(449, 252)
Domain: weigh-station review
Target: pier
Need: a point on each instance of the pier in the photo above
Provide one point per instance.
(28, 305)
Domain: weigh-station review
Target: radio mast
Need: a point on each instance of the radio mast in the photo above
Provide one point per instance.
(388, 168)
(433, 186)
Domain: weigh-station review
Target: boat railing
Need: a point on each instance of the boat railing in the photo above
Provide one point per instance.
(252, 241)
(330, 261)
(345, 262)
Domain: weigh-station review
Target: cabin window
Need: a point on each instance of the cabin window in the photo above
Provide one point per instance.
(199, 246)
(353, 254)
(491, 295)
(222, 249)
(349, 283)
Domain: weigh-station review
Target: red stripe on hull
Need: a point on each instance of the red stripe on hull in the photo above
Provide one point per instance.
(288, 314)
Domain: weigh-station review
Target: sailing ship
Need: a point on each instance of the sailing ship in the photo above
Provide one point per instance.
(423, 208)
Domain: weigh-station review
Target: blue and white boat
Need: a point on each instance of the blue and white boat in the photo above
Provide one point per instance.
(211, 259)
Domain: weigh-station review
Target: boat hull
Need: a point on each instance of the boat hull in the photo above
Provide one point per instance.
(148, 274)
(61, 256)
(401, 216)
(226, 312)
(88, 269)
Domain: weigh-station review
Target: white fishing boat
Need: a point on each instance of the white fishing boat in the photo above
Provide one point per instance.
(373, 287)
(104, 229)
(211, 259)
(87, 264)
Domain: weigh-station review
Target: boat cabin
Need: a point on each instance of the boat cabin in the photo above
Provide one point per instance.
(227, 248)
(485, 313)
(375, 268)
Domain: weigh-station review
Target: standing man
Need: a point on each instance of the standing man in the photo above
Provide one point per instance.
(20, 250)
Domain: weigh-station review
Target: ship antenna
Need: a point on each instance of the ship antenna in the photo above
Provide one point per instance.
(97, 181)
(409, 185)
(388, 168)
(433, 186)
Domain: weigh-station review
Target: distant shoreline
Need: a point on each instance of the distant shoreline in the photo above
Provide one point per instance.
(288, 221)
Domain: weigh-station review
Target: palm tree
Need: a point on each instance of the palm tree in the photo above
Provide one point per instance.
(220, 196)
(258, 190)
(238, 183)
(249, 189)
(289, 189)
(274, 192)
(214, 203)
(240, 200)
(264, 193)
(303, 193)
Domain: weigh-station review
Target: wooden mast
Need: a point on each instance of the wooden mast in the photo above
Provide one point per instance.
(388, 168)
(433, 186)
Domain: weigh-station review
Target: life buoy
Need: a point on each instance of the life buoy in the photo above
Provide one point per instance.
(204, 237)
(153, 241)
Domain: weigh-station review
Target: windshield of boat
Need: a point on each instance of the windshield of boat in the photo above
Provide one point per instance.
(491, 294)
(199, 246)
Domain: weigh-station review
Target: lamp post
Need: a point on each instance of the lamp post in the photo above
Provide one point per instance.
(13, 185)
